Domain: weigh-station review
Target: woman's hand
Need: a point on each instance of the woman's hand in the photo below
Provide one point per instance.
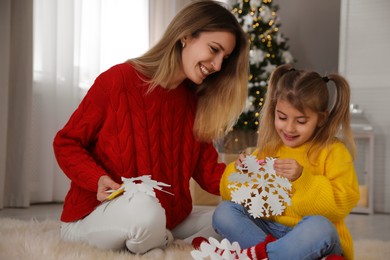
(239, 160)
(105, 183)
(288, 168)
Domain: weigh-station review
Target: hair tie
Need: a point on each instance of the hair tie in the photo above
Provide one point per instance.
(326, 79)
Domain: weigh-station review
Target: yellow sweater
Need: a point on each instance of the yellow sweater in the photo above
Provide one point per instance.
(327, 187)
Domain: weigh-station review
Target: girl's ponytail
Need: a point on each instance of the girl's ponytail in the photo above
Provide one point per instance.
(339, 114)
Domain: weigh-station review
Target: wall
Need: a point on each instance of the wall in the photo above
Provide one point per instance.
(313, 31)
(364, 60)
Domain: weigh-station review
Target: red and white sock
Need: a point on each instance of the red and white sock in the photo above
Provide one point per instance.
(257, 252)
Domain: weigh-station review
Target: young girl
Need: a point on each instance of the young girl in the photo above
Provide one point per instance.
(310, 135)
(155, 115)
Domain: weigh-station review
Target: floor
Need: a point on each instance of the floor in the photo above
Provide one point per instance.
(361, 226)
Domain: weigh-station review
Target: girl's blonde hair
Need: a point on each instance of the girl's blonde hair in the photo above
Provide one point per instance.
(222, 95)
(307, 90)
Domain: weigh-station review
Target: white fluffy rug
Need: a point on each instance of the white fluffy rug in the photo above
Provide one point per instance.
(40, 240)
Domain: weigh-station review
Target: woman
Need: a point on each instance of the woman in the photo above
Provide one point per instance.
(154, 115)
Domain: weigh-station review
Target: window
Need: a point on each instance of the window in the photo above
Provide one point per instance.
(114, 30)
(83, 38)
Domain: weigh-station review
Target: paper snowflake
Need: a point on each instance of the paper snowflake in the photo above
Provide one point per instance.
(144, 184)
(215, 250)
(259, 189)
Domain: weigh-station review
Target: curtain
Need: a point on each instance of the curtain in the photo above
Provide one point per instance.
(161, 13)
(5, 28)
(55, 94)
(51, 51)
(5, 12)
(74, 41)
(15, 99)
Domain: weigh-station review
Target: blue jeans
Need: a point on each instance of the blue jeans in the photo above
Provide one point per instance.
(312, 238)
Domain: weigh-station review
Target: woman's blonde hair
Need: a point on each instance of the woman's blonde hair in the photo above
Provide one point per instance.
(307, 90)
(222, 95)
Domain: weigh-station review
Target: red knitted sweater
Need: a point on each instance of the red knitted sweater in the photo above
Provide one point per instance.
(120, 130)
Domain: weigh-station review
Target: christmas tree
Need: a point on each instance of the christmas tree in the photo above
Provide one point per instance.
(268, 49)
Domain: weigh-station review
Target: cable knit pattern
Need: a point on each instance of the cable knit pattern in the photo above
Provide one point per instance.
(120, 130)
(327, 187)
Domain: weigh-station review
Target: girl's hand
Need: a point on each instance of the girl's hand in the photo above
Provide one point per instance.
(288, 168)
(239, 160)
(105, 183)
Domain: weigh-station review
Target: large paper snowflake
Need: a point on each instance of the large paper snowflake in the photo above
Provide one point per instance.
(215, 250)
(259, 189)
(144, 184)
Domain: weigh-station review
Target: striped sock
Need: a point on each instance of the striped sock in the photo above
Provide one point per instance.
(257, 252)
